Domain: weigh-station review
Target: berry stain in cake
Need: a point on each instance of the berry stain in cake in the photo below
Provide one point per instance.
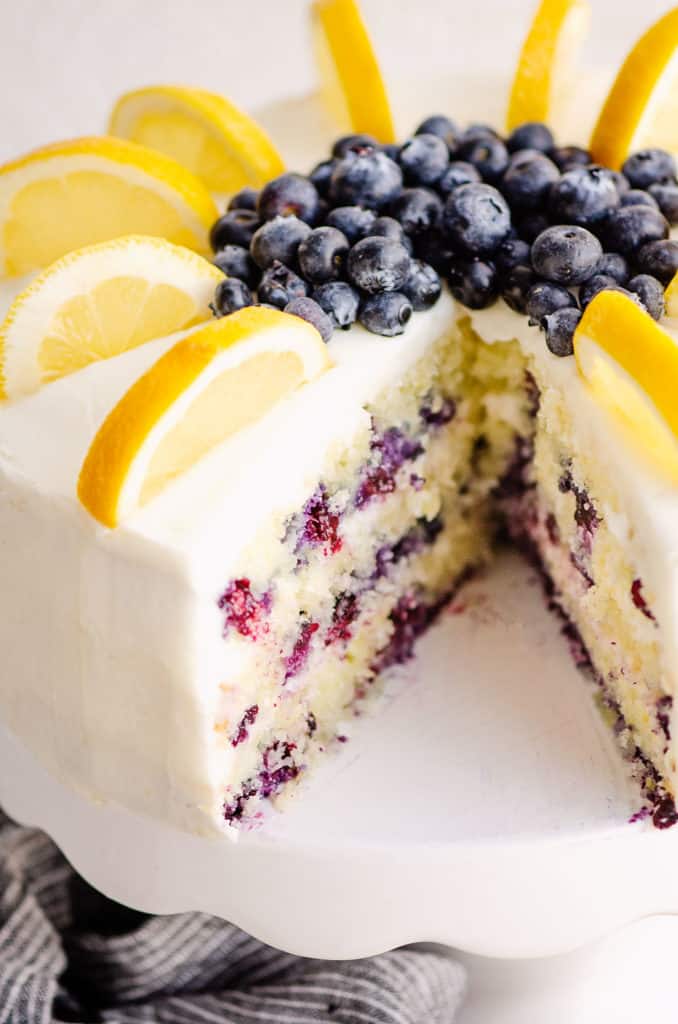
(320, 524)
(243, 610)
(242, 732)
(346, 611)
(390, 451)
(664, 706)
(438, 415)
(639, 600)
(301, 650)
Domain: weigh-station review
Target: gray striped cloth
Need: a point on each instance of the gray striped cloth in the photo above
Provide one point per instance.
(69, 954)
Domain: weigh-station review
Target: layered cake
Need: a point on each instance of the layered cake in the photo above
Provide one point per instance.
(220, 532)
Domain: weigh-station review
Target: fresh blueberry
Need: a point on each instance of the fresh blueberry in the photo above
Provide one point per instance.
(649, 167)
(459, 172)
(545, 298)
(441, 126)
(422, 285)
(278, 239)
(423, 159)
(650, 292)
(322, 255)
(434, 247)
(279, 285)
(667, 198)
(235, 261)
(531, 135)
(378, 265)
(339, 300)
(475, 132)
(386, 313)
(475, 283)
(289, 195)
(532, 225)
(309, 310)
(231, 294)
(560, 327)
(513, 252)
(365, 179)
(417, 209)
(245, 199)
(595, 284)
(566, 254)
(516, 285)
(528, 178)
(320, 177)
(236, 227)
(389, 227)
(567, 157)
(631, 227)
(621, 182)
(638, 197)
(477, 219)
(488, 155)
(613, 264)
(659, 259)
(391, 149)
(353, 221)
(584, 196)
(352, 143)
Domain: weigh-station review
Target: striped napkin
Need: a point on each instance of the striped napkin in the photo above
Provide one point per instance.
(68, 954)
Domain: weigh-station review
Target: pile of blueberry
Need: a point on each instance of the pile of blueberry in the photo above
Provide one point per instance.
(370, 232)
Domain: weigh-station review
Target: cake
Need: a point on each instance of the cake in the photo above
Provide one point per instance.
(191, 658)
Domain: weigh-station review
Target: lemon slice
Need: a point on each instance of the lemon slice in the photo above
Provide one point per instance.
(642, 107)
(547, 60)
(671, 298)
(351, 81)
(211, 384)
(98, 302)
(203, 131)
(76, 193)
(631, 365)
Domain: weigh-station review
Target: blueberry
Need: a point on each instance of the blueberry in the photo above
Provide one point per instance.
(231, 294)
(352, 221)
(528, 178)
(235, 261)
(378, 264)
(309, 310)
(278, 239)
(365, 179)
(560, 327)
(584, 196)
(660, 259)
(488, 155)
(567, 157)
(516, 285)
(475, 132)
(531, 135)
(289, 194)
(279, 285)
(423, 159)
(245, 199)
(638, 197)
(386, 313)
(352, 143)
(477, 219)
(235, 228)
(417, 210)
(475, 283)
(322, 255)
(512, 253)
(667, 199)
(595, 284)
(621, 182)
(320, 177)
(545, 298)
(339, 300)
(631, 227)
(650, 292)
(613, 264)
(532, 225)
(648, 167)
(441, 126)
(389, 227)
(422, 285)
(459, 172)
(566, 254)
(434, 247)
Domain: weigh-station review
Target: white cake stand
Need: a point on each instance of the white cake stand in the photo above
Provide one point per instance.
(486, 808)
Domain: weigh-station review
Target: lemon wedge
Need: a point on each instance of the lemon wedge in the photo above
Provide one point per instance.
(641, 109)
(352, 85)
(671, 297)
(631, 365)
(98, 302)
(203, 131)
(209, 385)
(76, 193)
(545, 70)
